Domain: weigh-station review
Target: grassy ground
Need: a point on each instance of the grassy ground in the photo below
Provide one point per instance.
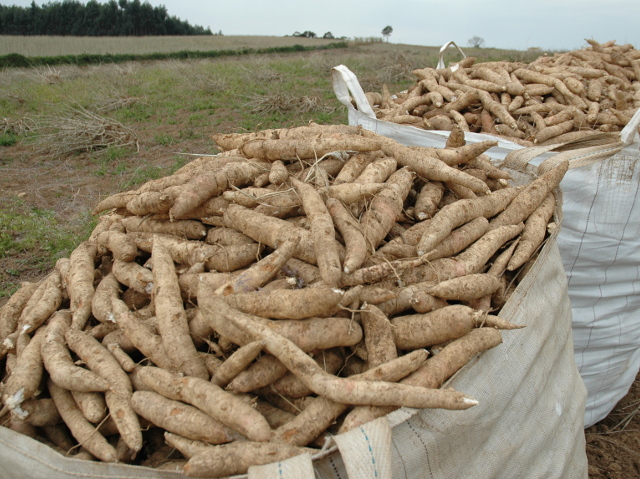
(54, 46)
(70, 136)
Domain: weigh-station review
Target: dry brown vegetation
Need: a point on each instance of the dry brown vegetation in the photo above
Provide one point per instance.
(55, 46)
(75, 129)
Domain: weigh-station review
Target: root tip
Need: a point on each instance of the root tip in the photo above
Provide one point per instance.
(470, 401)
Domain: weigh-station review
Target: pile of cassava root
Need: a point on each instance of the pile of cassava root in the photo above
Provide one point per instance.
(551, 100)
(252, 304)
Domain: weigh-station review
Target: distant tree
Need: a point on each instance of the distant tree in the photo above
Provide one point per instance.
(387, 31)
(306, 34)
(91, 15)
(107, 22)
(476, 42)
(328, 35)
(160, 14)
(73, 13)
(33, 18)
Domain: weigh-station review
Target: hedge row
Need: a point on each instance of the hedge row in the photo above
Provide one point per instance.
(17, 60)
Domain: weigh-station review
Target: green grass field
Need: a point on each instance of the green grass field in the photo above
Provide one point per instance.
(151, 118)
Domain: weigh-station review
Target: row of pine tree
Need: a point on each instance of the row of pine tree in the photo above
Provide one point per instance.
(113, 18)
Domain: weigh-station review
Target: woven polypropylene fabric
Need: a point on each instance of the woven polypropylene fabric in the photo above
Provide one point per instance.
(529, 422)
(366, 450)
(24, 458)
(297, 467)
(348, 89)
(600, 248)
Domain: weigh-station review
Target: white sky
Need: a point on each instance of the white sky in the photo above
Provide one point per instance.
(547, 24)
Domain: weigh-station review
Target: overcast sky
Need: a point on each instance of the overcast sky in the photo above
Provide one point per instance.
(547, 24)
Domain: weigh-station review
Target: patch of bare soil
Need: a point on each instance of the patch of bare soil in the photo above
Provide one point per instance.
(613, 444)
(72, 185)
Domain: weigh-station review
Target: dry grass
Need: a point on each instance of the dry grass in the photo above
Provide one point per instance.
(282, 102)
(398, 67)
(261, 73)
(263, 76)
(631, 411)
(196, 75)
(126, 69)
(395, 67)
(52, 75)
(17, 126)
(74, 129)
(31, 46)
(206, 82)
(48, 74)
(110, 99)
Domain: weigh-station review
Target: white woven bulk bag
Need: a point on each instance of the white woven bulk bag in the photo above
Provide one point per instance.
(600, 248)
(599, 242)
(528, 388)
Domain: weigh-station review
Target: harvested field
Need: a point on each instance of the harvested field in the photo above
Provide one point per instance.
(48, 46)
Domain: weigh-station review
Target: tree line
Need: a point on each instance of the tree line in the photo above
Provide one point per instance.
(114, 18)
